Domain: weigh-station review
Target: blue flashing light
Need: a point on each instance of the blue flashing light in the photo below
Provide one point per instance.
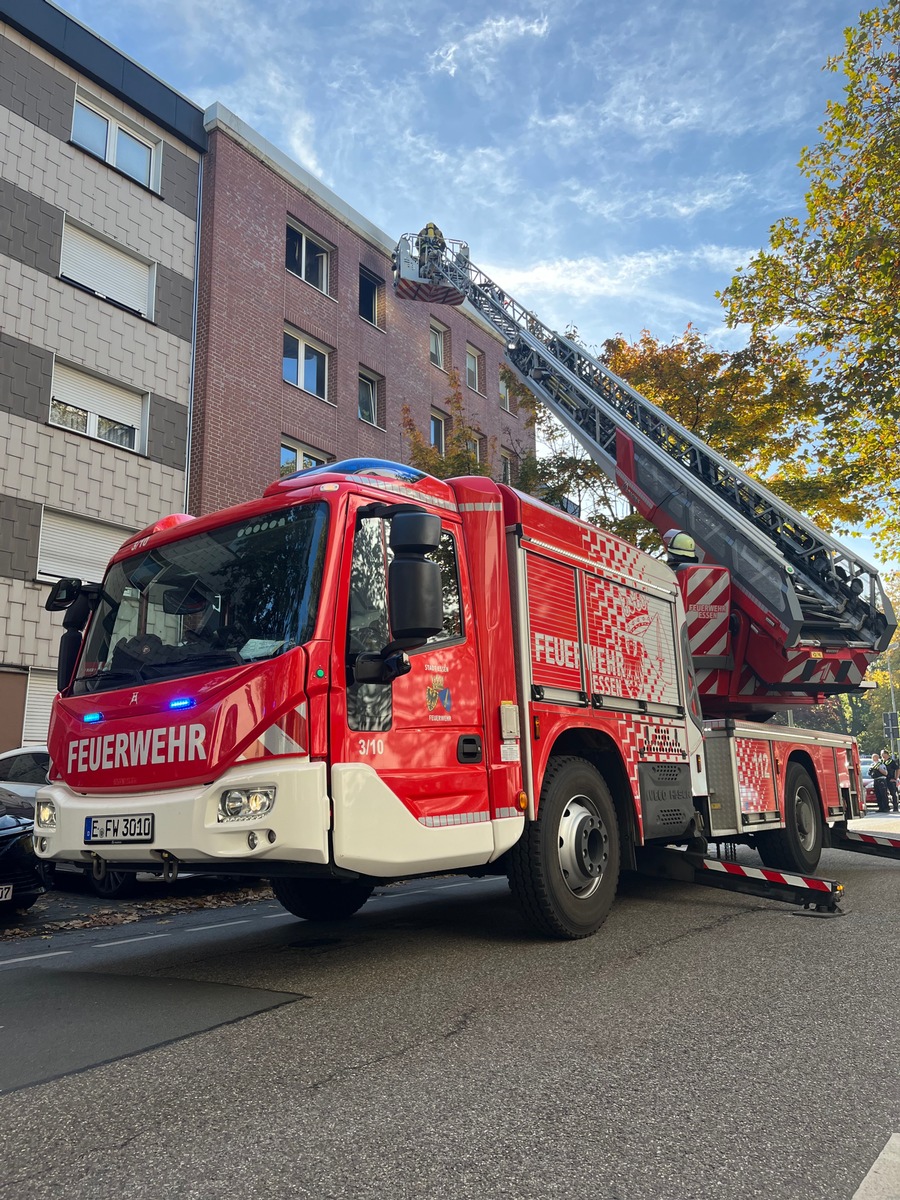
(182, 702)
(92, 718)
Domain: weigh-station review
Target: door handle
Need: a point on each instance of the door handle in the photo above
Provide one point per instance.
(468, 748)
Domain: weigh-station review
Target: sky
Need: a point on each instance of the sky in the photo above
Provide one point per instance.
(611, 163)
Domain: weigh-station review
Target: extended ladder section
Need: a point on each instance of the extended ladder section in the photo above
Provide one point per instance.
(810, 614)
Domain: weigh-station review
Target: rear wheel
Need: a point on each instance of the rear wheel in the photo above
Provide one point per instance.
(797, 847)
(321, 899)
(564, 870)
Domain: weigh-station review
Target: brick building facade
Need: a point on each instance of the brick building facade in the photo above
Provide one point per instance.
(304, 353)
(99, 187)
(151, 362)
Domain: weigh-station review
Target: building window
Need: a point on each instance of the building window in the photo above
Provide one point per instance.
(473, 446)
(305, 364)
(107, 138)
(306, 257)
(107, 270)
(438, 431)
(96, 407)
(75, 546)
(370, 293)
(506, 467)
(297, 457)
(437, 333)
(474, 368)
(371, 399)
(505, 402)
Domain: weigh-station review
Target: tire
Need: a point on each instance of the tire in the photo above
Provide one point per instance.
(797, 847)
(321, 899)
(564, 870)
(115, 885)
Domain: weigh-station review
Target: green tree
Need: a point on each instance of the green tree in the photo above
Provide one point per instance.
(826, 288)
(460, 456)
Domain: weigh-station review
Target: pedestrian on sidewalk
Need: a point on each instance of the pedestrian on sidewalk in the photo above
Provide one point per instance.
(878, 773)
(892, 765)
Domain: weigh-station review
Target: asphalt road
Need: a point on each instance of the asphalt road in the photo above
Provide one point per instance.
(702, 1045)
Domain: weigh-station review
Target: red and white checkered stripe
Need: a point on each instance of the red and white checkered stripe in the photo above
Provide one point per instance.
(797, 881)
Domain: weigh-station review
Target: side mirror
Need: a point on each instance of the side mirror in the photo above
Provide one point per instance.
(415, 599)
(63, 594)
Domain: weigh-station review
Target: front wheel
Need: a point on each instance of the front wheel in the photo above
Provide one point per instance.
(797, 847)
(115, 885)
(321, 899)
(564, 870)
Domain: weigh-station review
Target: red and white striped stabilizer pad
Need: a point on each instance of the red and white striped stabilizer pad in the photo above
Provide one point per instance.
(871, 839)
(828, 886)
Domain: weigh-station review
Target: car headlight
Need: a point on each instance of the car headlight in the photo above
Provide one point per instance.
(244, 804)
(45, 814)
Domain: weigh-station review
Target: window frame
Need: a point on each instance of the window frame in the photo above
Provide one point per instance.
(304, 341)
(441, 420)
(93, 408)
(478, 356)
(301, 452)
(505, 396)
(506, 468)
(435, 327)
(306, 236)
(376, 320)
(116, 123)
(376, 383)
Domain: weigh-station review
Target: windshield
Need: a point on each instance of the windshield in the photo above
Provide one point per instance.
(234, 595)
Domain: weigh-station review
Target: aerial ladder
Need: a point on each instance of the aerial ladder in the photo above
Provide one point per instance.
(779, 613)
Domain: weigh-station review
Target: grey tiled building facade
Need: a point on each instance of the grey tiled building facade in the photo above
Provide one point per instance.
(99, 191)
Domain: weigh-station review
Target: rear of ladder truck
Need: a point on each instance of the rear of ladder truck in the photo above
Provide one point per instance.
(803, 616)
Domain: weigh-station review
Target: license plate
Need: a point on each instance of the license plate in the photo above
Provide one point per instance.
(5, 891)
(118, 830)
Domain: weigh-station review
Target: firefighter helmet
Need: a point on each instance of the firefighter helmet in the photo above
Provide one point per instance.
(680, 545)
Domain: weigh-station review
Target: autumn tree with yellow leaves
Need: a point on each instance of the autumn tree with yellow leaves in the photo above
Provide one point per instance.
(826, 289)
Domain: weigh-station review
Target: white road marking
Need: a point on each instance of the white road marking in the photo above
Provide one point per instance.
(223, 925)
(883, 1179)
(11, 962)
(146, 937)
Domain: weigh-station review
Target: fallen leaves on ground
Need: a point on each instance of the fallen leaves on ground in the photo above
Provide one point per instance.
(37, 923)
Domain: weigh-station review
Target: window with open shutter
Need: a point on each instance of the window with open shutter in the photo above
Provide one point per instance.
(107, 270)
(77, 547)
(97, 407)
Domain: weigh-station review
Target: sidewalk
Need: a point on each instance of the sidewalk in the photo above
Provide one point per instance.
(877, 822)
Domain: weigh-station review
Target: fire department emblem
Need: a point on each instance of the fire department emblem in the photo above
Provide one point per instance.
(436, 694)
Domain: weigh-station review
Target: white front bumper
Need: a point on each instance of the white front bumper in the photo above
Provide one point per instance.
(186, 821)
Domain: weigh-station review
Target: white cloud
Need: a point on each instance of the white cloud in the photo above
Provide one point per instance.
(480, 48)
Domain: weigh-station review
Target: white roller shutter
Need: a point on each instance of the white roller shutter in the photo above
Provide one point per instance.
(98, 396)
(38, 700)
(105, 269)
(73, 546)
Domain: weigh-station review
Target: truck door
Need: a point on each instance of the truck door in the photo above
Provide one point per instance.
(423, 734)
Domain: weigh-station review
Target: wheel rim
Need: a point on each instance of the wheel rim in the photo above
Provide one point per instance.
(805, 814)
(583, 847)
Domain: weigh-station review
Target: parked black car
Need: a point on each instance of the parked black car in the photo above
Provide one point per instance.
(20, 881)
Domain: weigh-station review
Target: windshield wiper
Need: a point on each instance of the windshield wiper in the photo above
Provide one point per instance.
(194, 662)
(109, 679)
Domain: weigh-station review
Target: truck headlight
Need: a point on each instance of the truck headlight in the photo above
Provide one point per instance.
(45, 814)
(243, 804)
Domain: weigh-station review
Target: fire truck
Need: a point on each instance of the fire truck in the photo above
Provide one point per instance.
(370, 674)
